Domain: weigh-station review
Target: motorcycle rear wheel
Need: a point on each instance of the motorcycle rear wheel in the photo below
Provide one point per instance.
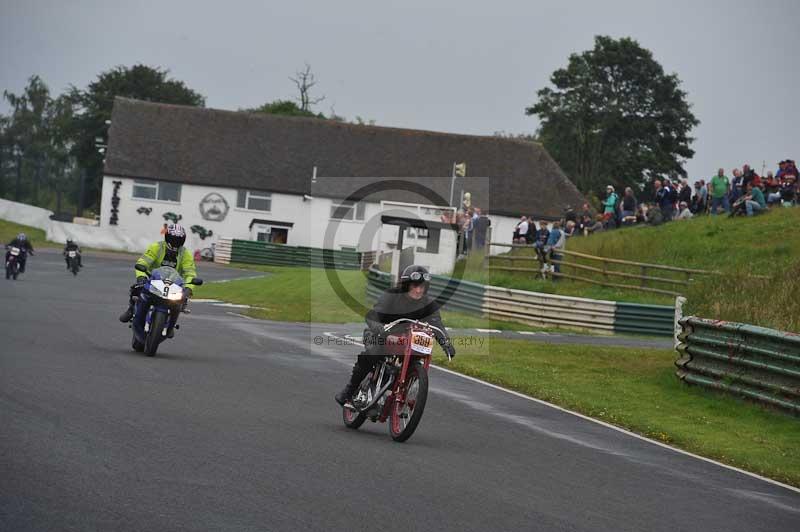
(405, 415)
(157, 324)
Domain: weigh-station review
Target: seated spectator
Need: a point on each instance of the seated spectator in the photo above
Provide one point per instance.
(641, 213)
(570, 228)
(753, 200)
(597, 226)
(684, 212)
(530, 236)
(583, 225)
(555, 242)
(540, 240)
(655, 216)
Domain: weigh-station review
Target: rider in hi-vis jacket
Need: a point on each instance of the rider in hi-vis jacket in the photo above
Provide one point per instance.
(170, 253)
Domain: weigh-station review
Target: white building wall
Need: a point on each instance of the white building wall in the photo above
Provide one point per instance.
(311, 218)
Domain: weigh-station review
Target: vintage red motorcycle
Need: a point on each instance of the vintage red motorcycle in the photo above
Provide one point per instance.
(397, 388)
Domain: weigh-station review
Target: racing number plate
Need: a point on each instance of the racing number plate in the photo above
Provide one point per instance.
(421, 343)
(72, 253)
(15, 251)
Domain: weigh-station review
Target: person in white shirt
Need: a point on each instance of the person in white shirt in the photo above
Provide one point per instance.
(684, 213)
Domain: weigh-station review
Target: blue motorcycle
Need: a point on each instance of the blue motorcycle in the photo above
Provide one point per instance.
(162, 298)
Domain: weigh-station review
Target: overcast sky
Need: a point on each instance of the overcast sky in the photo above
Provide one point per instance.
(445, 65)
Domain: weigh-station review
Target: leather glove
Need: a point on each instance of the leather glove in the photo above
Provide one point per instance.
(449, 350)
(140, 281)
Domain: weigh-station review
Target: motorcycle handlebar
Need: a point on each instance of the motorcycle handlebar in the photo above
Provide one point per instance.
(389, 326)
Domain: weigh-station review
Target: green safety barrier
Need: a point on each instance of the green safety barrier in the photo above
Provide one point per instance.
(635, 318)
(759, 363)
(252, 252)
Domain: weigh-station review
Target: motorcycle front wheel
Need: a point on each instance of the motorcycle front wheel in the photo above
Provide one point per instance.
(153, 338)
(352, 419)
(406, 414)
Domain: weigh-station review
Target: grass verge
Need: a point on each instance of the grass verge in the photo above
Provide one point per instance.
(306, 295)
(638, 390)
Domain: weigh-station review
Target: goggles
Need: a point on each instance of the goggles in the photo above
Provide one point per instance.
(419, 276)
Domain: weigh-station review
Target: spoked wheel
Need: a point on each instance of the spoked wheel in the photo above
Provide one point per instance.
(405, 415)
(352, 419)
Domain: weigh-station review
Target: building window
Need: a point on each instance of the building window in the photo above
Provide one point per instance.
(254, 200)
(347, 209)
(159, 190)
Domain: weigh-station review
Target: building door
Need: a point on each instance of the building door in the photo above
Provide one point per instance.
(270, 233)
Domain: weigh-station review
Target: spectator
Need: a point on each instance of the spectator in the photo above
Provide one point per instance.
(628, 203)
(540, 240)
(720, 187)
(750, 176)
(587, 211)
(481, 226)
(684, 212)
(655, 216)
(685, 193)
(754, 200)
(583, 225)
(699, 200)
(530, 236)
(521, 230)
(641, 213)
(663, 200)
(597, 226)
(610, 206)
(555, 243)
(570, 228)
(736, 185)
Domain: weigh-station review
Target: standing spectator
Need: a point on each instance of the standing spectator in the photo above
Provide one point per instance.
(628, 206)
(540, 241)
(754, 200)
(664, 200)
(684, 212)
(555, 243)
(720, 187)
(737, 188)
(610, 206)
(685, 193)
(750, 176)
(521, 230)
(699, 200)
(481, 226)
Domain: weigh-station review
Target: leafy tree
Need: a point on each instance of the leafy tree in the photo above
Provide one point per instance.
(284, 107)
(615, 117)
(94, 104)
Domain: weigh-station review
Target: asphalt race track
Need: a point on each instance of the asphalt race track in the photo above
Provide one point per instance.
(232, 426)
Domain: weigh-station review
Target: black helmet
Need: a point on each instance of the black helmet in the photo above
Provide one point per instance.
(415, 275)
(69, 241)
(175, 236)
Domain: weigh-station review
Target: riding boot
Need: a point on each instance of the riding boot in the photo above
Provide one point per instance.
(360, 370)
(126, 316)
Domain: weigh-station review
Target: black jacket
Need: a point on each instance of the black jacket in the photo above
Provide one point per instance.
(395, 304)
(22, 245)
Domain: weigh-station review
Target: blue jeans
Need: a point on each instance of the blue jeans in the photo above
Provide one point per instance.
(716, 202)
(752, 207)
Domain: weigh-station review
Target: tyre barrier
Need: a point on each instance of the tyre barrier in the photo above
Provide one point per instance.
(755, 362)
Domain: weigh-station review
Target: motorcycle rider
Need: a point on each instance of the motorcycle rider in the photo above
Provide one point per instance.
(408, 300)
(20, 241)
(170, 252)
(72, 246)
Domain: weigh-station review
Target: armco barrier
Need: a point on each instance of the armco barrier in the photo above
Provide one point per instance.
(252, 252)
(759, 363)
(543, 310)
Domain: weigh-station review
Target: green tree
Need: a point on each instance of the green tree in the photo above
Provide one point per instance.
(93, 106)
(286, 108)
(615, 117)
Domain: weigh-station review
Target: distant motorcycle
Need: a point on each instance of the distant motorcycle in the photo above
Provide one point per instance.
(73, 261)
(397, 389)
(13, 256)
(156, 310)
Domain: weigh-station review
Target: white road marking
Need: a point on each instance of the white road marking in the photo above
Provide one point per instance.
(196, 300)
(488, 330)
(608, 425)
(242, 316)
